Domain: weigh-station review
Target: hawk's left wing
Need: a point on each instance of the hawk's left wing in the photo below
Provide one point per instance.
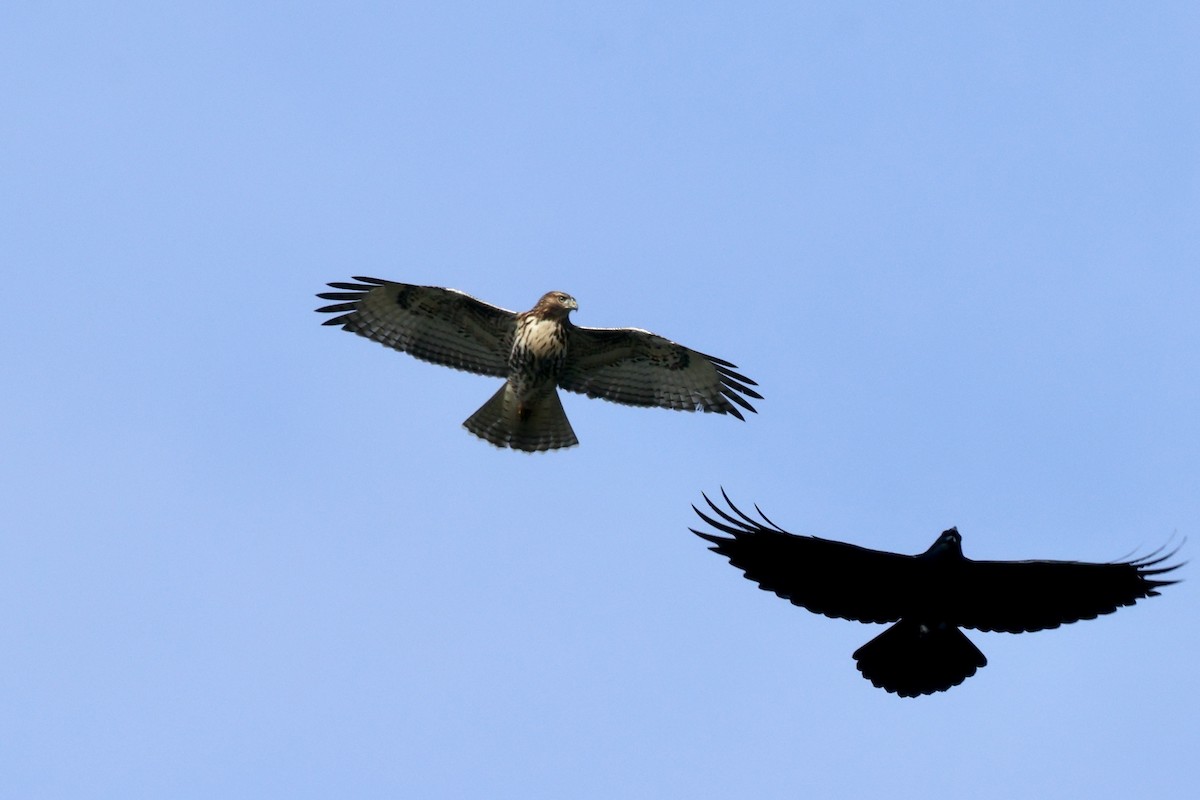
(638, 368)
(444, 326)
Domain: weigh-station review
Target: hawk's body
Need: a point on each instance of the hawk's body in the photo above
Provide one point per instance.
(537, 352)
(526, 413)
(929, 596)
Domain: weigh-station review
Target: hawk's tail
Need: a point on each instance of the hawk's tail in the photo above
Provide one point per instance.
(543, 424)
(911, 659)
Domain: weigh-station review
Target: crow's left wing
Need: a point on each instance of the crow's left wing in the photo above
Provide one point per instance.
(831, 578)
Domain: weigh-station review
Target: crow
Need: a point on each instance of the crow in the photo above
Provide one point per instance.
(929, 596)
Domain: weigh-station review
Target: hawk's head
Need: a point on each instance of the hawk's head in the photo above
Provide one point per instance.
(555, 305)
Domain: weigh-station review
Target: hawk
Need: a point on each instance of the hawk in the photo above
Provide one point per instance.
(929, 596)
(537, 352)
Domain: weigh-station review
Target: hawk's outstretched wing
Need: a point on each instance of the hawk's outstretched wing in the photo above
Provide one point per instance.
(639, 368)
(444, 326)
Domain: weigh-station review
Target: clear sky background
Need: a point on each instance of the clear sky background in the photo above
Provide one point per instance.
(242, 555)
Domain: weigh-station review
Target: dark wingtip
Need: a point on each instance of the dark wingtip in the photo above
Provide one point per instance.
(733, 507)
(736, 524)
(350, 296)
(733, 392)
(740, 382)
(726, 369)
(1149, 563)
(767, 519)
(737, 398)
(734, 385)
(341, 295)
(716, 540)
(718, 525)
(336, 308)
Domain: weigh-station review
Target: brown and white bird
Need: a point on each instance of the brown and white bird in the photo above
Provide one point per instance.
(929, 596)
(537, 352)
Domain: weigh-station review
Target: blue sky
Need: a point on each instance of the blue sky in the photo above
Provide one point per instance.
(958, 246)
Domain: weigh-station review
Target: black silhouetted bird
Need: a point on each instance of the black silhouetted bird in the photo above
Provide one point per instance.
(929, 596)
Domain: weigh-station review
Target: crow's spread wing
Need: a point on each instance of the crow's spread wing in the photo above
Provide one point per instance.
(444, 326)
(827, 577)
(1018, 596)
(639, 368)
